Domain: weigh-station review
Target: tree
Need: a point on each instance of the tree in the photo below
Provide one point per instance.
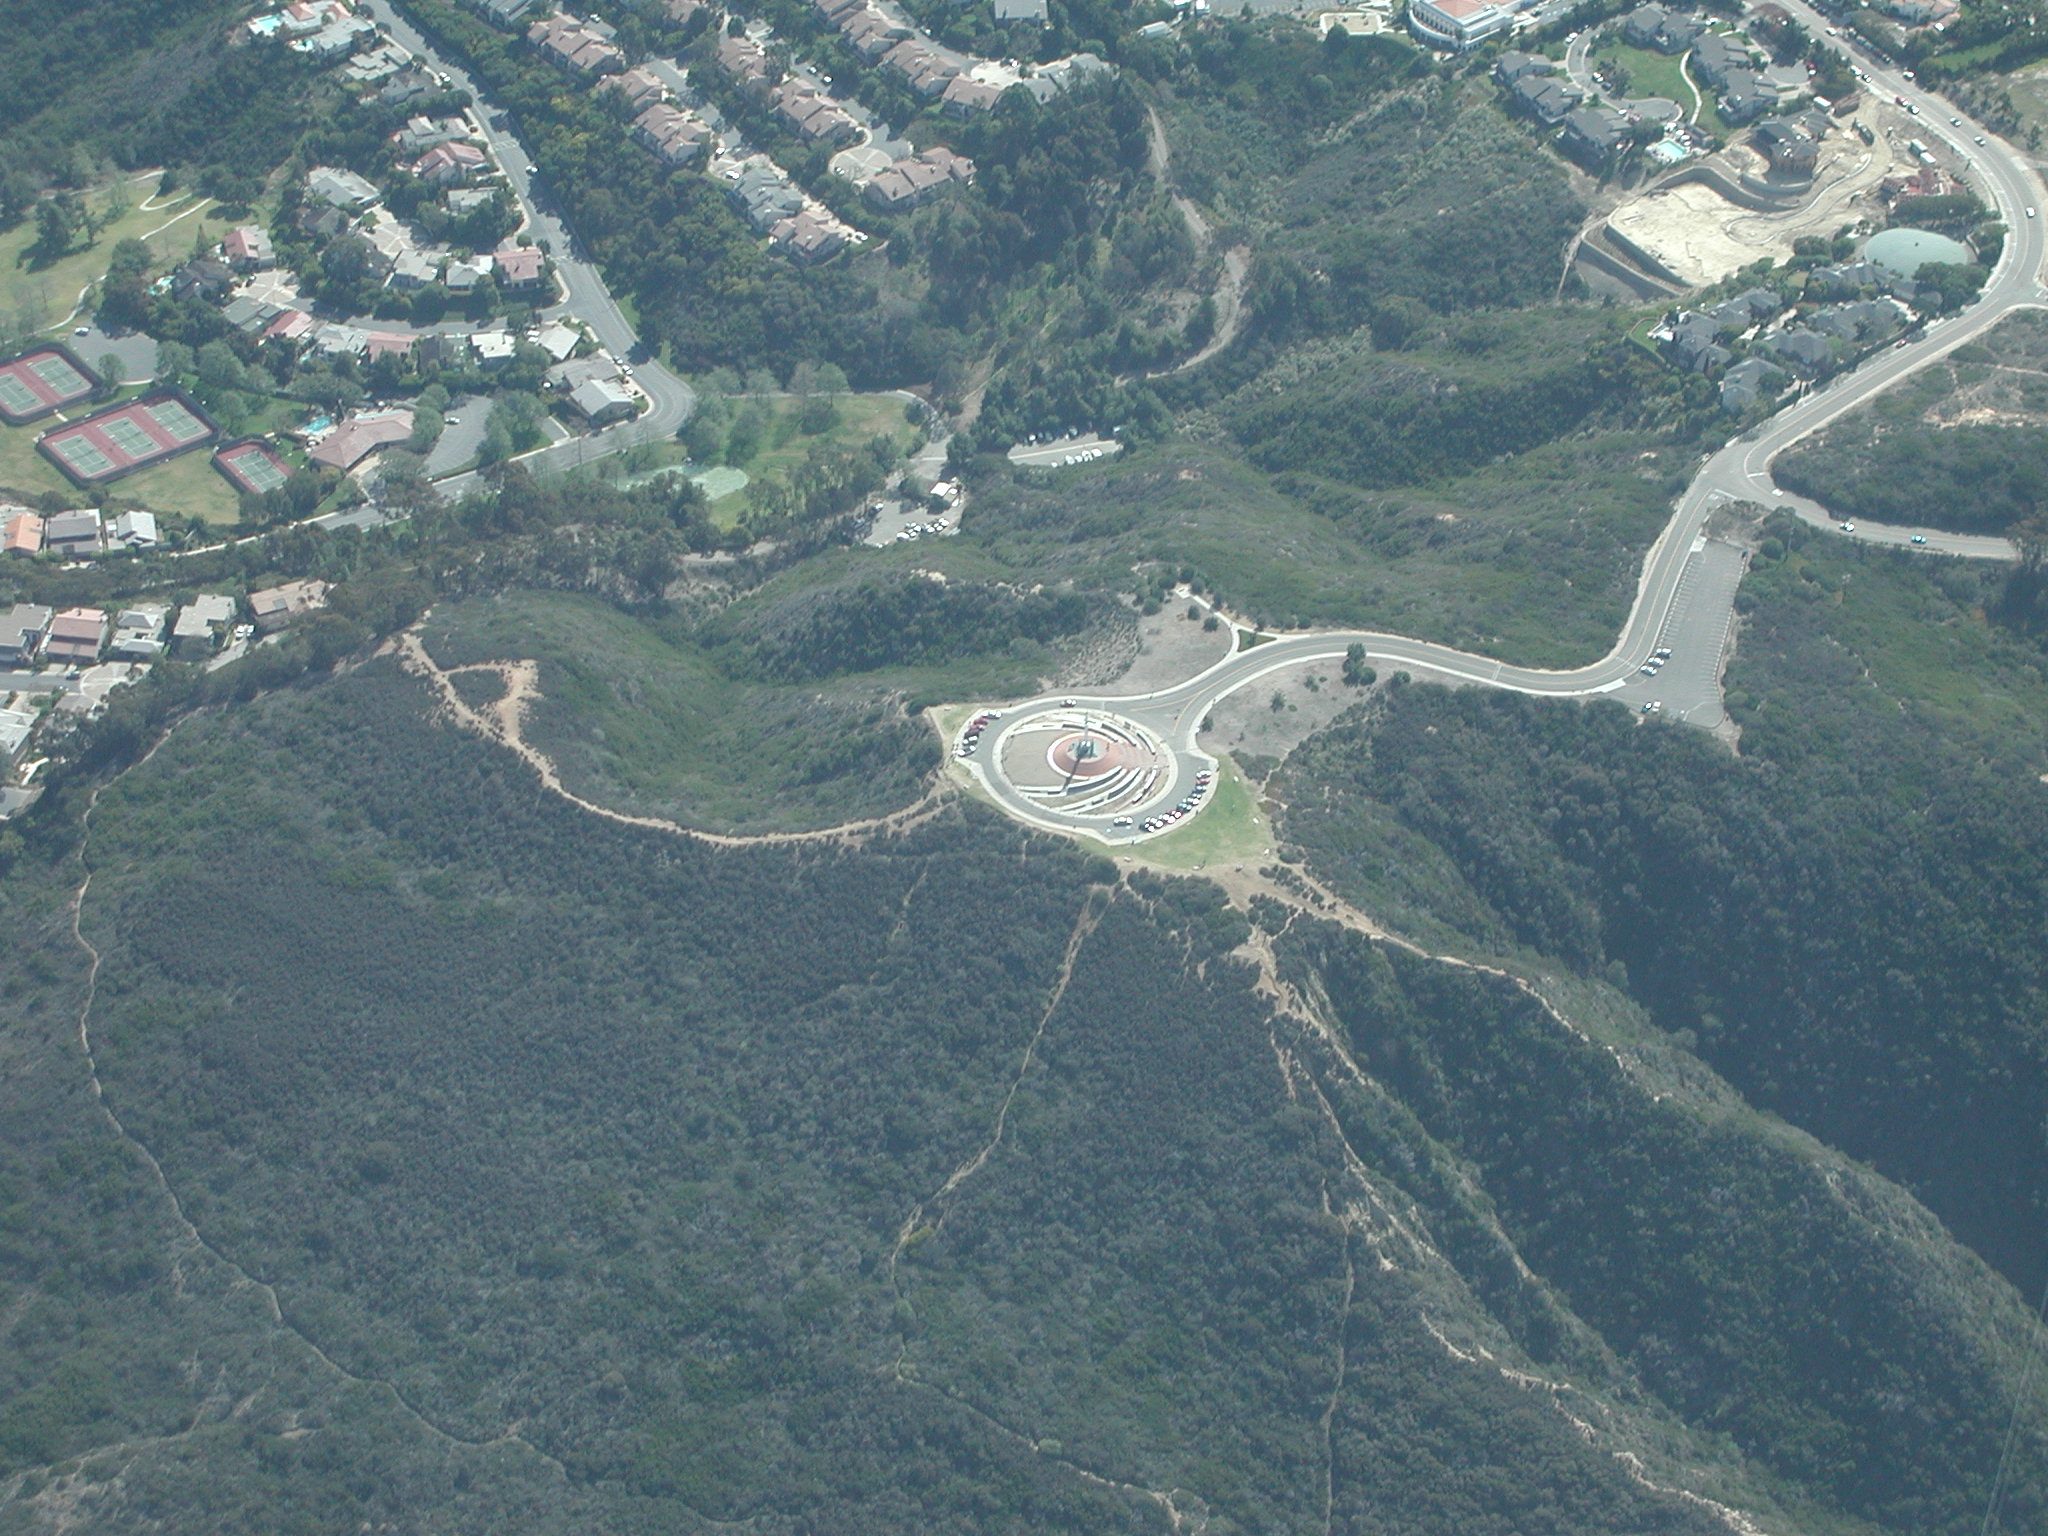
(1356, 673)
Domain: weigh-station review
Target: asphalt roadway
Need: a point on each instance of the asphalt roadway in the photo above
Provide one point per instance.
(584, 294)
(1685, 597)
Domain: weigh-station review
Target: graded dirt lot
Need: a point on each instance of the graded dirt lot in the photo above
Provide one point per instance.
(1702, 237)
(1246, 723)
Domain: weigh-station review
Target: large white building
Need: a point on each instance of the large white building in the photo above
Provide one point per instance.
(1457, 24)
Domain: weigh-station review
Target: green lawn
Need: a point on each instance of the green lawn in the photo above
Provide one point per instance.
(1650, 74)
(188, 484)
(42, 297)
(1231, 829)
(24, 473)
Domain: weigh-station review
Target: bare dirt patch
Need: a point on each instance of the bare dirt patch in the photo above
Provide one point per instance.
(1311, 695)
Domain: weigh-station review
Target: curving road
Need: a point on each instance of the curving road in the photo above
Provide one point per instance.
(1685, 598)
(1684, 603)
(584, 294)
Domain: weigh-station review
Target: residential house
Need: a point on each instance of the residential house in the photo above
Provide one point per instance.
(809, 237)
(1847, 279)
(321, 221)
(1543, 97)
(764, 193)
(673, 134)
(680, 11)
(504, 14)
(494, 349)
(835, 12)
(1745, 97)
(1789, 146)
(1693, 342)
(250, 316)
(1667, 31)
(746, 61)
(72, 533)
(1807, 353)
(1513, 65)
(203, 278)
(922, 66)
(449, 165)
(139, 633)
(441, 351)
(248, 249)
(1858, 321)
(76, 637)
(1716, 56)
(414, 270)
(601, 402)
(22, 631)
(558, 340)
(1593, 134)
(16, 727)
(462, 276)
(521, 269)
(813, 114)
(407, 86)
(360, 436)
(1020, 12)
(133, 530)
(466, 200)
(339, 188)
(384, 344)
(333, 340)
(1745, 310)
(376, 66)
(869, 33)
(964, 96)
(570, 376)
(201, 625)
(581, 47)
(639, 86)
(276, 607)
(421, 134)
(914, 182)
(291, 325)
(24, 534)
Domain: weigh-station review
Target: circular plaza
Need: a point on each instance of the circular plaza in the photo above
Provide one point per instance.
(1084, 762)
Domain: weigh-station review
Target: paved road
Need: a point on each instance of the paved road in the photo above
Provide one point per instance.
(1685, 598)
(584, 293)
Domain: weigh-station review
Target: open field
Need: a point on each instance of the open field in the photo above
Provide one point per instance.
(44, 297)
(188, 484)
(1649, 73)
(25, 472)
(1231, 829)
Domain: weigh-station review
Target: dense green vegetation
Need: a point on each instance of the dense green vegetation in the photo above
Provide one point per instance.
(1845, 920)
(1958, 446)
(142, 84)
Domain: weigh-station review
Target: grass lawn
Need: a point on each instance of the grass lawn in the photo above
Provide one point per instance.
(44, 296)
(1231, 829)
(23, 471)
(860, 418)
(188, 484)
(1649, 73)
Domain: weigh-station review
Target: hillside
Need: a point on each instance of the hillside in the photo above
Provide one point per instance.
(940, 1176)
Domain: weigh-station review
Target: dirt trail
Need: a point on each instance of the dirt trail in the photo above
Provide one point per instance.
(504, 722)
(1084, 925)
(1237, 261)
(193, 1251)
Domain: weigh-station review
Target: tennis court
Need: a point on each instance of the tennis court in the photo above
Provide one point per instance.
(40, 381)
(252, 467)
(124, 438)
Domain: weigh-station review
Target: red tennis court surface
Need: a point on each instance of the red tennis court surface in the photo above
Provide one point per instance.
(252, 465)
(124, 438)
(41, 380)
